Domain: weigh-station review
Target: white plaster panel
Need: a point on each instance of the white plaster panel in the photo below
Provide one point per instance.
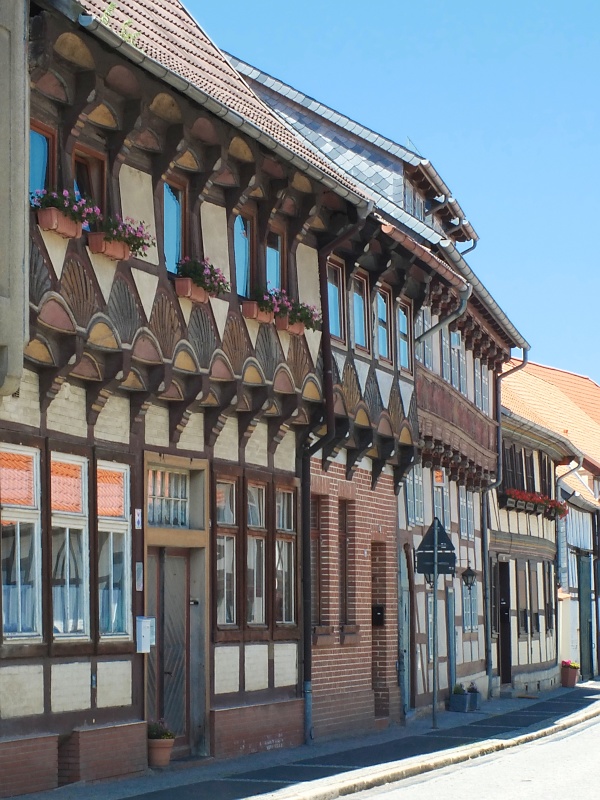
(340, 360)
(25, 408)
(286, 663)
(105, 269)
(56, 247)
(313, 340)
(192, 437)
(66, 412)
(362, 370)
(256, 449)
(221, 310)
(385, 381)
(112, 424)
(186, 308)
(21, 691)
(226, 446)
(406, 393)
(157, 426)
(114, 684)
(307, 269)
(213, 220)
(137, 201)
(146, 285)
(227, 669)
(284, 341)
(285, 455)
(70, 688)
(256, 658)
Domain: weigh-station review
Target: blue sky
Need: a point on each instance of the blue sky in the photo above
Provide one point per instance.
(503, 98)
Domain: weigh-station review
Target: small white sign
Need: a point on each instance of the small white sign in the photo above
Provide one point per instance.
(138, 519)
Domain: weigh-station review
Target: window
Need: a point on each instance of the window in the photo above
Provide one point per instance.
(168, 498)
(360, 308)
(403, 317)
(69, 549)
(445, 348)
(522, 599)
(423, 349)
(534, 599)
(414, 495)
(477, 378)
(482, 385)
(285, 609)
(256, 506)
(343, 560)
(40, 161)
(512, 462)
(172, 226)
(255, 605)
(88, 173)
(470, 516)
(243, 253)
(458, 362)
(548, 596)
(469, 608)
(384, 342)
(114, 547)
(275, 260)
(335, 296)
(545, 465)
(226, 554)
(20, 542)
(441, 498)
(315, 559)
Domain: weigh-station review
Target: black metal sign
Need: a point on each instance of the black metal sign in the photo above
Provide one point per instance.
(425, 553)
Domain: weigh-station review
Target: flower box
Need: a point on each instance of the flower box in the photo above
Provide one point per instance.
(250, 310)
(282, 323)
(540, 508)
(530, 506)
(185, 287)
(550, 513)
(111, 248)
(51, 219)
(520, 505)
(459, 702)
(473, 703)
(568, 676)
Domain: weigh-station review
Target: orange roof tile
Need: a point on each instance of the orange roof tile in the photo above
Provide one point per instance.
(168, 34)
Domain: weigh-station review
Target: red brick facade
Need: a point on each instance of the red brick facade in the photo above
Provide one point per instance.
(95, 753)
(355, 683)
(251, 729)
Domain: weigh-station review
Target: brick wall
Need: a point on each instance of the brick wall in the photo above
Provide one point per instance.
(250, 729)
(354, 664)
(28, 765)
(94, 753)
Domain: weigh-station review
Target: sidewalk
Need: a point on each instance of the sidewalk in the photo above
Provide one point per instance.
(329, 769)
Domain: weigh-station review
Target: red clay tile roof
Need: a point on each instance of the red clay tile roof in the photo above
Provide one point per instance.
(167, 33)
(580, 389)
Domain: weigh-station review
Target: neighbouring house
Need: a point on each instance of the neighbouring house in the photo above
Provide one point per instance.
(461, 341)
(569, 404)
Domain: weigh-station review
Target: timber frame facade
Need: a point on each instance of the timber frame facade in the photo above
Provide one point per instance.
(245, 487)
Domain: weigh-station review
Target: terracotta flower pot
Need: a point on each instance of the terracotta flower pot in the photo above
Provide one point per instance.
(185, 287)
(568, 676)
(159, 752)
(250, 310)
(52, 219)
(111, 248)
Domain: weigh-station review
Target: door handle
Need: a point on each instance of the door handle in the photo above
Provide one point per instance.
(167, 672)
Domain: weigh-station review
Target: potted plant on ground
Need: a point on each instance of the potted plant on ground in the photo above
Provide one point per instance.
(473, 695)
(459, 699)
(119, 237)
(160, 744)
(62, 213)
(199, 280)
(569, 672)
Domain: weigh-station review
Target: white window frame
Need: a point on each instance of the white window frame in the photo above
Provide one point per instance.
(441, 501)
(470, 612)
(414, 495)
(462, 512)
(445, 359)
(256, 562)
(471, 515)
(76, 522)
(477, 372)
(259, 505)
(221, 520)
(29, 515)
(286, 545)
(282, 507)
(227, 539)
(122, 526)
(184, 501)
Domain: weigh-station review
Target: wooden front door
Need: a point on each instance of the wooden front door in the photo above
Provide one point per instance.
(504, 633)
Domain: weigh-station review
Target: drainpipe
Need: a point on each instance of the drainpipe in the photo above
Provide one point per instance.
(485, 544)
(464, 294)
(310, 450)
(469, 248)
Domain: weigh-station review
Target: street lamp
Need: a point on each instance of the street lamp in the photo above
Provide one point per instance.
(468, 577)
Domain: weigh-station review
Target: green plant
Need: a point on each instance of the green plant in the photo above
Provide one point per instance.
(275, 300)
(473, 688)
(203, 274)
(69, 203)
(159, 730)
(123, 229)
(459, 689)
(570, 664)
(309, 315)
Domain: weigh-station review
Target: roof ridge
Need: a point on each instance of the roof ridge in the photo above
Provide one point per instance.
(564, 371)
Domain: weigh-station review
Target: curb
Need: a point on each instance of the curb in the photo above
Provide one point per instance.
(368, 778)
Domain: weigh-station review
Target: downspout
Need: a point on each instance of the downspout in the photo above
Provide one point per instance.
(469, 248)
(307, 453)
(464, 294)
(485, 544)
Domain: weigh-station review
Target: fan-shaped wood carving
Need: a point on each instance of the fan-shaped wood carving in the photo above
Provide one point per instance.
(373, 397)
(165, 324)
(350, 387)
(123, 310)
(413, 417)
(268, 350)
(236, 344)
(395, 408)
(39, 277)
(77, 288)
(202, 335)
(299, 359)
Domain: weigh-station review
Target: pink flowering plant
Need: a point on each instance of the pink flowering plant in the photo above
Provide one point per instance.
(204, 274)
(69, 203)
(275, 300)
(307, 314)
(123, 229)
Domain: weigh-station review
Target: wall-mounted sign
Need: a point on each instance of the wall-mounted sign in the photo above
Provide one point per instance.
(439, 477)
(138, 519)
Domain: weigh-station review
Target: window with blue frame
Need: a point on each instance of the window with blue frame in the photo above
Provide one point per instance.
(274, 260)
(359, 304)
(172, 226)
(242, 253)
(335, 294)
(39, 161)
(383, 325)
(403, 316)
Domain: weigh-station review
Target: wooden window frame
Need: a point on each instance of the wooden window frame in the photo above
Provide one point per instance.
(338, 266)
(405, 337)
(247, 213)
(534, 601)
(180, 185)
(94, 161)
(279, 228)
(522, 599)
(548, 597)
(385, 293)
(361, 280)
(50, 134)
(290, 537)
(529, 471)
(224, 531)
